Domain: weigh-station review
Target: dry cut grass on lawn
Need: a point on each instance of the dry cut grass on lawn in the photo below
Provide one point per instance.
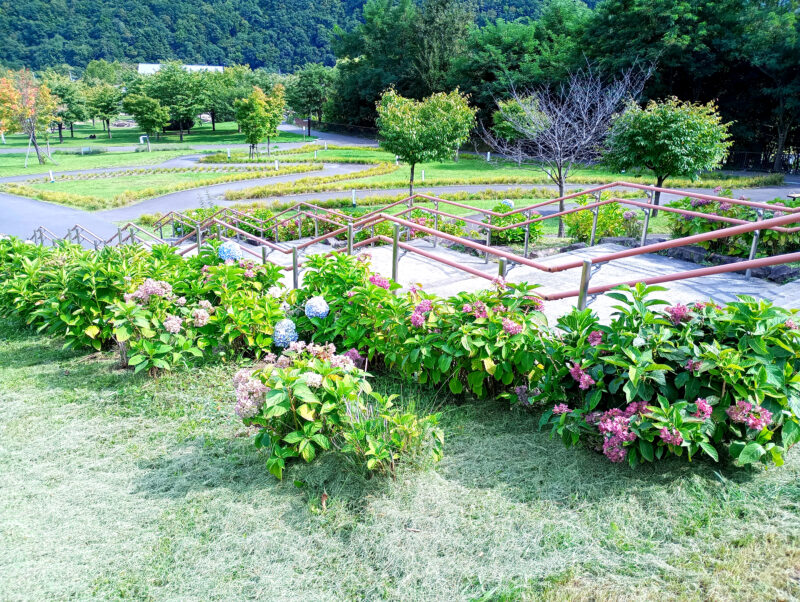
(117, 486)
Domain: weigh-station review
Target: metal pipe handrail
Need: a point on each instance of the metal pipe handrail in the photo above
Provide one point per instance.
(707, 271)
(687, 240)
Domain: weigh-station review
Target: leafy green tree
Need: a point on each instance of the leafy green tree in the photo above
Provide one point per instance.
(275, 110)
(72, 105)
(373, 57)
(103, 101)
(771, 42)
(670, 138)
(252, 115)
(427, 130)
(441, 30)
(308, 91)
(179, 91)
(148, 113)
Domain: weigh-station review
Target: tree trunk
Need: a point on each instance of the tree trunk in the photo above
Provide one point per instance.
(92, 121)
(252, 151)
(108, 121)
(37, 149)
(268, 151)
(71, 130)
(783, 132)
(561, 185)
(657, 195)
(411, 181)
(103, 121)
(180, 129)
(213, 122)
(309, 124)
(60, 133)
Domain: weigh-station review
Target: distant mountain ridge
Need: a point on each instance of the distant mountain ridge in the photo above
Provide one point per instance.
(276, 34)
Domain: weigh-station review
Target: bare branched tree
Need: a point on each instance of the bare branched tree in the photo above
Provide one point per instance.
(561, 127)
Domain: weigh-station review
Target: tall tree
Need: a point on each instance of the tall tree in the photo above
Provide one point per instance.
(275, 110)
(179, 91)
(27, 106)
(429, 130)
(373, 57)
(440, 32)
(252, 115)
(670, 138)
(72, 107)
(564, 126)
(103, 101)
(308, 91)
(771, 43)
(148, 113)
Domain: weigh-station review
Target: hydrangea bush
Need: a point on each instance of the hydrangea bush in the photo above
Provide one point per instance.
(311, 400)
(683, 380)
(770, 242)
(483, 342)
(514, 235)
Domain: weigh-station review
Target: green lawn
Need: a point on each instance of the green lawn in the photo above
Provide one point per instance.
(117, 486)
(13, 164)
(202, 134)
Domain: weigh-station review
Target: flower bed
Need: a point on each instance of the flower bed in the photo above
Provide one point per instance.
(657, 381)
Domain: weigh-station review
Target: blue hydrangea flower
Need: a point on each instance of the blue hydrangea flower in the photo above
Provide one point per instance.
(508, 203)
(285, 332)
(230, 251)
(317, 307)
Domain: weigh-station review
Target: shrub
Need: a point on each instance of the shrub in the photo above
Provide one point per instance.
(770, 241)
(696, 379)
(311, 400)
(514, 235)
(610, 219)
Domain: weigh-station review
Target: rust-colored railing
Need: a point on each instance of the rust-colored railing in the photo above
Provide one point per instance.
(227, 221)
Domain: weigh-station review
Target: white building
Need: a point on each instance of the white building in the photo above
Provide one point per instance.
(150, 68)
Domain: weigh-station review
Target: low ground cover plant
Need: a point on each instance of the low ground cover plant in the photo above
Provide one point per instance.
(514, 235)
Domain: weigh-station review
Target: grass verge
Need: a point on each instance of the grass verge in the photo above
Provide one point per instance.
(116, 486)
(13, 164)
(107, 193)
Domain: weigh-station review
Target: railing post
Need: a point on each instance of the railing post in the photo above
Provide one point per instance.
(646, 224)
(501, 271)
(161, 231)
(119, 237)
(527, 215)
(295, 269)
(488, 238)
(583, 291)
(596, 212)
(199, 240)
(395, 251)
(435, 223)
(754, 244)
(349, 239)
(263, 254)
(316, 225)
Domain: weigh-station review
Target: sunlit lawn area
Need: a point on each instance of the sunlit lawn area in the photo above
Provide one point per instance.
(13, 164)
(117, 486)
(201, 134)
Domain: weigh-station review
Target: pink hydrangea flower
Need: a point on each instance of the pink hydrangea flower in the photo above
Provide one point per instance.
(172, 324)
(671, 436)
(585, 382)
(791, 325)
(424, 306)
(595, 338)
(499, 282)
(678, 313)
(561, 408)
(479, 310)
(200, 317)
(755, 417)
(537, 302)
(248, 273)
(466, 308)
(693, 365)
(417, 320)
(379, 281)
(704, 409)
(180, 301)
(511, 327)
(206, 305)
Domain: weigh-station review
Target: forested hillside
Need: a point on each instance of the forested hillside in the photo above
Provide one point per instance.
(275, 34)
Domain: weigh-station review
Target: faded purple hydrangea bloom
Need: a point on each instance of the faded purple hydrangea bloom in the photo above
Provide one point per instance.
(200, 317)
(561, 408)
(359, 360)
(595, 338)
(379, 281)
(172, 324)
(511, 327)
(671, 436)
(678, 313)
